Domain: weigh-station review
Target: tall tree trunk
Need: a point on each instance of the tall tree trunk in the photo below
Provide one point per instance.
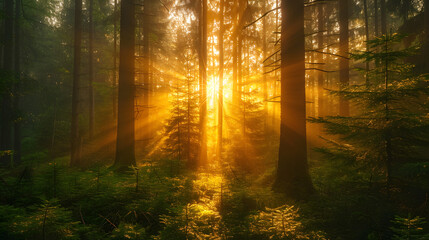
(365, 9)
(426, 41)
(239, 54)
(376, 18)
(383, 17)
(145, 67)
(2, 35)
(125, 155)
(115, 45)
(91, 70)
(264, 56)
(292, 171)
(75, 135)
(221, 65)
(203, 82)
(344, 49)
(235, 53)
(6, 104)
(320, 74)
(17, 90)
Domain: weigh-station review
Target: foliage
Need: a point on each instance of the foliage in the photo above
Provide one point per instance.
(409, 228)
(281, 223)
(46, 221)
(386, 130)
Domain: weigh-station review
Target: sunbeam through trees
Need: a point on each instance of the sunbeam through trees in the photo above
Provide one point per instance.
(214, 119)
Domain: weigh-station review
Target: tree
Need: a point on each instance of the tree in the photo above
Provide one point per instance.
(6, 104)
(145, 66)
(365, 11)
(234, 35)
(426, 34)
(182, 127)
(221, 66)
(17, 86)
(383, 16)
(75, 135)
(203, 80)
(292, 170)
(115, 54)
(344, 49)
(91, 69)
(388, 129)
(125, 155)
(320, 42)
(376, 18)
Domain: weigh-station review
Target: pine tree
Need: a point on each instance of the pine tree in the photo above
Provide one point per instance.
(292, 171)
(391, 122)
(182, 127)
(75, 136)
(125, 142)
(409, 228)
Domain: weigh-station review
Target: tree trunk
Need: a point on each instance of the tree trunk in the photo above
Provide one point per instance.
(376, 18)
(125, 155)
(6, 104)
(145, 67)
(235, 53)
(17, 90)
(292, 171)
(426, 41)
(91, 70)
(240, 53)
(221, 65)
(115, 45)
(75, 135)
(320, 74)
(365, 9)
(203, 82)
(264, 56)
(344, 49)
(383, 17)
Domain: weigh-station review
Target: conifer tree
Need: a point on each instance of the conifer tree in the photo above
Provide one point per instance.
(390, 123)
(125, 142)
(75, 135)
(292, 170)
(182, 127)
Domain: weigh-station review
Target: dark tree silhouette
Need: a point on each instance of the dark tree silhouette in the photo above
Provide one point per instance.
(75, 136)
(125, 155)
(292, 171)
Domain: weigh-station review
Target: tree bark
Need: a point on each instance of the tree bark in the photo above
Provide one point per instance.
(91, 70)
(376, 18)
(75, 135)
(17, 87)
(115, 45)
(221, 65)
(365, 9)
(240, 53)
(145, 67)
(292, 171)
(125, 155)
(344, 49)
(235, 53)
(6, 104)
(203, 82)
(383, 17)
(320, 75)
(426, 29)
(264, 56)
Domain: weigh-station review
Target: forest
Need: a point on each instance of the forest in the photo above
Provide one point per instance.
(220, 119)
